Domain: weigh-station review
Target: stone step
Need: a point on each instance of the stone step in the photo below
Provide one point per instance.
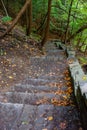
(9, 113)
(56, 53)
(17, 116)
(51, 57)
(57, 118)
(36, 89)
(43, 67)
(39, 81)
(47, 61)
(43, 81)
(51, 77)
(56, 50)
(49, 71)
(29, 117)
(33, 98)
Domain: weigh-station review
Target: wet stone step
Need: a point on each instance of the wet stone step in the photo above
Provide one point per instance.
(44, 118)
(33, 98)
(46, 66)
(52, 77)
(9, 113)
(56, 50)
(38, 81)
(55, 57)
(43, 82)
(50, 69)
(39, 120)
(68, 118)
(57, 118)
(37, 89)
(29, 117)
(50, 46)
(15, 116)
(46, 74)
(41, 63)
(50, 57)
(55, 53)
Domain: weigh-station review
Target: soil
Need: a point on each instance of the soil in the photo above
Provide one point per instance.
(14, 59)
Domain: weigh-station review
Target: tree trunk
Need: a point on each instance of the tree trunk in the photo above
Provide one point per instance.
(42, 23)
(29, 18)
(74, 15)
(77, 32)
(68, 21)
(7, 6)
(16, 19)
(47, 24)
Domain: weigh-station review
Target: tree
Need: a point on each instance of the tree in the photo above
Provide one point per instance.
(77, 32)
(68, 21)
(16, 19)
(29, 18)
(47, 24)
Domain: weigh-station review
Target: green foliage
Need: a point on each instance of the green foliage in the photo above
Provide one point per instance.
(36, 37)
(83, 48)
(81, 41)
(83, 60)
(6, 19)
(59, 15)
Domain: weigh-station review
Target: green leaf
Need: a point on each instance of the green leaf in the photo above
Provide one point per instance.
(6, 19)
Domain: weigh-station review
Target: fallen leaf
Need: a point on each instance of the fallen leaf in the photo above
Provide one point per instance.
(10, 77)
(50, 118)
(84, 77)
(24, 123)
(64, 96)
(13, 65)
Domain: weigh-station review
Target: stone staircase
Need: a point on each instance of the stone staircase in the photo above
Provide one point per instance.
(39, 102)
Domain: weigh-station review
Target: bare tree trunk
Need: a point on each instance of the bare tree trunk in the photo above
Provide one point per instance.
(47, 24)
(42, 23)
(79, 41)
(7, 5)
(16, 19)
(29, 18)
(68, 21)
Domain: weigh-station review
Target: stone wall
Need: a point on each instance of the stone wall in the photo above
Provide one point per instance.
(79, 80)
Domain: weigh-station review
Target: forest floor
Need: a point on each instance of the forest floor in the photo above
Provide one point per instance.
(14, 57)
(14, 61)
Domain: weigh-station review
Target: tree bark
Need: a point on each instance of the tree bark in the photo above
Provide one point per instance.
(47, 24)
(16, 19)
(68, 21)
(42, 23)
(77, 32)
(29, 18)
